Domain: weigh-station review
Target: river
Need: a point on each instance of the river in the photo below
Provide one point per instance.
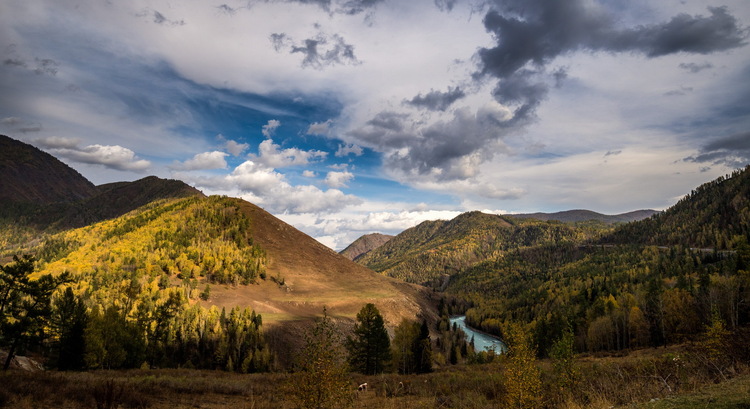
(482, 341)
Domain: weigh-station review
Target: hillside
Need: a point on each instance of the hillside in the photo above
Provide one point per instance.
(435, 250)
(32, 176)
(655, 282)
(574, 216)
(363, 245)
(40, 195)
(709, 217)
(217, 254)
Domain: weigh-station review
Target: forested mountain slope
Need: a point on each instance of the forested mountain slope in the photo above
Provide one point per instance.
(573, 216)
(654, 282)
(435, 250)
(709, 217)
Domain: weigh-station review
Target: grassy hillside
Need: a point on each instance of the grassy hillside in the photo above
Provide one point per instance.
(204, 255)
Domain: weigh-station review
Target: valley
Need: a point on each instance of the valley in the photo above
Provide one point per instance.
(152, 289)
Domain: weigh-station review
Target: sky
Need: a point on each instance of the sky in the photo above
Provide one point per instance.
(346, 117)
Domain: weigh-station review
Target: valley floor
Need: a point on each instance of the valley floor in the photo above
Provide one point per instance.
(651, 378)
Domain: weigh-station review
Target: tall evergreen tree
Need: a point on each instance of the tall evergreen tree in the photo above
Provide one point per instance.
(370, 348)
(423, 349)
(70, 320)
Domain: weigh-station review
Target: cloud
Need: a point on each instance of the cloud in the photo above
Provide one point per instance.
(309, 174)
(436, 100)
(732, 151)
(159, 18)
(110, 156)
(531, 33)
(265, 187)
(348, 149)
(338, 179)
(269, 129)
(323, 50)
(236, 148)
(271, 155)
(320, 128)
(203, 161)
(696, 67)
(58, 142)
(448, 149)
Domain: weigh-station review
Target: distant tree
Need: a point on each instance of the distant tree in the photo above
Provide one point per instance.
(69, 319)
(370, 348)
(321, 380)
(25, 304)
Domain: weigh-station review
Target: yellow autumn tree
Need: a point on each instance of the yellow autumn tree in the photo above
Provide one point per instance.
(522, 380)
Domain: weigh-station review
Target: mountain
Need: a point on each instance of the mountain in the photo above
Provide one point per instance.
(573, 216)
(363, 245)
(162, 254)
(709, 217)
(432, 251)
(40, 192)
(653, 282)
(32, 176)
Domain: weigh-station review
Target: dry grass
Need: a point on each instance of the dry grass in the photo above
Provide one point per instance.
(614, 381)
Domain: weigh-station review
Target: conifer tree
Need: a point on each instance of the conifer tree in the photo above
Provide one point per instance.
(370, 348)
(25, 304)
(70, 319)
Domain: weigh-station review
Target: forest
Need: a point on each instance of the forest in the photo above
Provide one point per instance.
(133, 284)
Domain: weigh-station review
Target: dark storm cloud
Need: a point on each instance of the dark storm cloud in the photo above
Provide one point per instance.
(321, 51)
(387, 130)
(389, 121)
(695, 67)
(437, 100)
(732, 151)
(448, 150)
(531, 33)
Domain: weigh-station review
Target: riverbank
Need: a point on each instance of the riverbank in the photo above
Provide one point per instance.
(482, 340)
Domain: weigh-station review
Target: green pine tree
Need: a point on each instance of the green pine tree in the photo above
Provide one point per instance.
(370, 348)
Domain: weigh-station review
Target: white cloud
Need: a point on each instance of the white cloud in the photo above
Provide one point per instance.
(347, 149)
(203, 161)
(269, 129)
(59, 142)
(320, 128)
(309, 174)
(338, 179)
(236, 148)
(110, 156)
(265, 187)
(270, 154)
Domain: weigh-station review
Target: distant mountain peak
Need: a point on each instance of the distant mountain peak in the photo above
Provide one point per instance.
(365, 244)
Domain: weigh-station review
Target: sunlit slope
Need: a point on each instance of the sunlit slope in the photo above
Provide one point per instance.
(435, 250)
(245, 256)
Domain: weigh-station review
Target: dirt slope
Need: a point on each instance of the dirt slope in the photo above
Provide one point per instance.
(315, 276)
